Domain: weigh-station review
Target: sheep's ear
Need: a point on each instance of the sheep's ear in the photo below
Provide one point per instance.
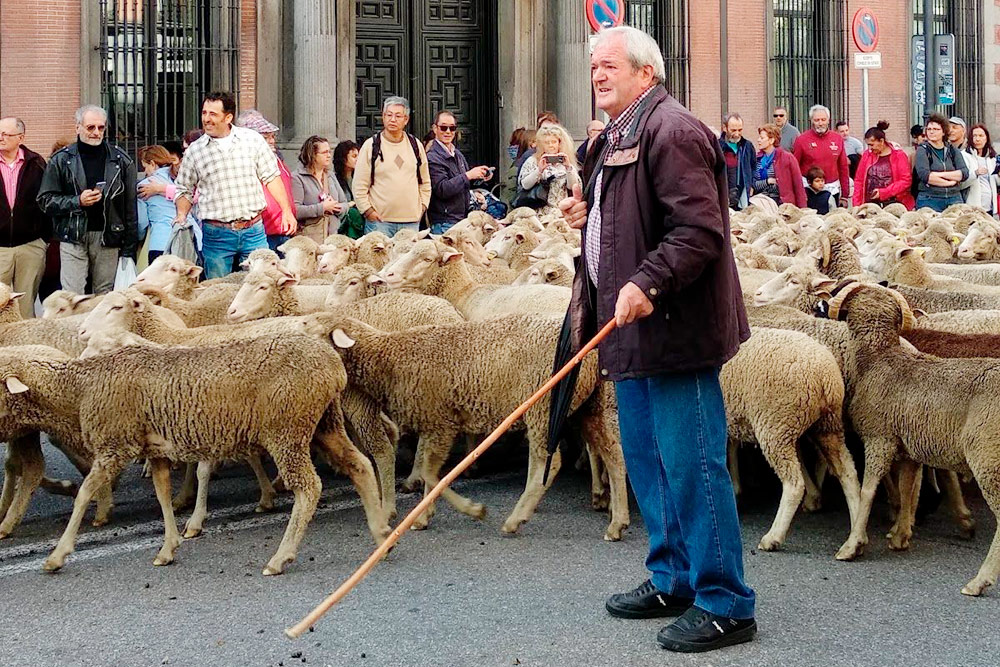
(14, 296)
(194, 271)
(423, 234)
(817, 253)
(322, 249)
(551, 274)
(519, 237)
(489, 228)
(341, 339)
(15, 386)
(903, 252)
(376, 280)
(449, 257)
(245, 264)
(918, 313)
(448, 241)
(138, 305)
(821, 285)
(738, 233)
(287, 279)
(921, 250)
(80, 298)
(535, 257)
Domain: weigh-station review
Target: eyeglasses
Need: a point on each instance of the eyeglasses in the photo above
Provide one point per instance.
(447, 128)
(326, 152)
(92, 128)
(779, 115)
(8, 135)
(394, 116)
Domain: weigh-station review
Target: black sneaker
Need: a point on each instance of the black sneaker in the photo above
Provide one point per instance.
(698, 630)
(646, 601)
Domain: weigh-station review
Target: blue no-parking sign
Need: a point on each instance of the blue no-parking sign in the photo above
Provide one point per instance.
(603, 14)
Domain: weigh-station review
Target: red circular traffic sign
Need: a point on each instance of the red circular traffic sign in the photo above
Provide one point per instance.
(603, 14)
(864, 29)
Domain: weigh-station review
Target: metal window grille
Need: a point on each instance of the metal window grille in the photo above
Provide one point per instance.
(809, 61)
(159, 58)
(666, 21)
(964, 19)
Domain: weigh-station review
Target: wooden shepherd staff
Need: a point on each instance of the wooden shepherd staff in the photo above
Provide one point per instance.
(296, 631)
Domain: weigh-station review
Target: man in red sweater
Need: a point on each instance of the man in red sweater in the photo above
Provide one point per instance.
(818, 147)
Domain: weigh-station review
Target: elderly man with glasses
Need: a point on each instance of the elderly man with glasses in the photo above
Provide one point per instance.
(89, 192)
(392, 184)
(451, 177)
(788, 131)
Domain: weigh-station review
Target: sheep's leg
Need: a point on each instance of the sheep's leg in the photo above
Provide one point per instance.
(835, 453)
(910, 475)
(160, 470)
(892, 492)
(878, 458)
(983, 465)
(533, 488)
(813, 501)
(412, 482)
(359, 469)
(188, 490)
(956, 503)
(733, 463)
(31, 468)
(11, 473)
(105, 503)
(605, 443)
(783, 457)
(296, 468)
(435, 450)
(599, 498)
(196, 522)
(267, 494)
(100, 476)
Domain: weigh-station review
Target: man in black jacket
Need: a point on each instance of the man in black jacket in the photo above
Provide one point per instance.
(24, 229)
(89, 192)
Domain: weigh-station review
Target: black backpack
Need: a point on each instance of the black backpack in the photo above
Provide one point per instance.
(377, 153)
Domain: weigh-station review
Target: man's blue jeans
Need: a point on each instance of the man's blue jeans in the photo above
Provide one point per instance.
(220, 246)
(673, 430)
(390, 228)
(439, 228)
(937, 202)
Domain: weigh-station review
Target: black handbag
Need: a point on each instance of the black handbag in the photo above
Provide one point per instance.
(536, 197)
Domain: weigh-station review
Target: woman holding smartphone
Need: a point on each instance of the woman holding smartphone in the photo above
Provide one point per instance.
(549, 175)
(451, 176)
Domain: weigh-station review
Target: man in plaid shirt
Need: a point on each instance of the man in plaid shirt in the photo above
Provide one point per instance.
(226, 166)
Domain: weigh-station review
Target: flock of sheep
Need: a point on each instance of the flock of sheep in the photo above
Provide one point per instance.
(351, 343)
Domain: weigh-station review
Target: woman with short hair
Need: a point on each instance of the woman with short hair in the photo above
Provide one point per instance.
(883, 176)
(777, 174)
(940, 167)
(315, 191)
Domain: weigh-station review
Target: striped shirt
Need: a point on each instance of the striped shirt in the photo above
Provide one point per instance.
(615, 130)
(10, 173)
(227, 173)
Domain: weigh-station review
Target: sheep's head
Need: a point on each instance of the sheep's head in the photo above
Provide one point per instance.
(865, 305)
(335, 253)
(887, 255)
(63, 303)
(17, 370)
(503, 242)
(167, 272)
(262, 258)
(791, 284)
(561, 251)
(981, 242)
(463, 240)
(353, 283)
(751, 258)
(404, 239)
(373, 248)
(895, 209)
(869, 239)
(419, 266)
(300, 255)
(116, 313)
(779, 240)
(258, 294)
(546, 271)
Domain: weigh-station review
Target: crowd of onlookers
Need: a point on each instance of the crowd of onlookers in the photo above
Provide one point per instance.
(226, 189)
(945, 163)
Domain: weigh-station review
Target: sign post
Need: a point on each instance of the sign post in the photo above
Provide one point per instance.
(865, 31)
(603, 14)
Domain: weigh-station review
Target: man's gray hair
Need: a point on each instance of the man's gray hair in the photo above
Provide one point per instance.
(18, 123)
(818, 107)
(642, 49)
(731, 116)
(396, 101)
(89, 108)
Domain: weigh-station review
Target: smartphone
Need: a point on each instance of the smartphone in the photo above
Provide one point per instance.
(555, 159)
(489, 172)
(100, 186)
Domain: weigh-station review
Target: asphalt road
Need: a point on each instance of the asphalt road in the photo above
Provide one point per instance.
(462, 594)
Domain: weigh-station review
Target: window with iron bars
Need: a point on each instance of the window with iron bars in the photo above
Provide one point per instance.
(159, 58)
(964, 19)
(666, 21)
(809, 58)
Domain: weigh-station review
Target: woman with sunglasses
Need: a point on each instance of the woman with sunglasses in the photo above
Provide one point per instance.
(451, 177)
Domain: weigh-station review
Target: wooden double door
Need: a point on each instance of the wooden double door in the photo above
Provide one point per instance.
(439, 54)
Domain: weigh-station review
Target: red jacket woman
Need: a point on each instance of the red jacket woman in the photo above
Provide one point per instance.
(777, 174)
(884, 174)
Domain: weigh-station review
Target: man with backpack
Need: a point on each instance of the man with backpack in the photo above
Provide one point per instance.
(392, 184)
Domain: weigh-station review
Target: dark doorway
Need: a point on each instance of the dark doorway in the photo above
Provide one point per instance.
(439, 54)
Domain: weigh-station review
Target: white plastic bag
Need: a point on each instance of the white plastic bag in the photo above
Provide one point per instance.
(125, 275)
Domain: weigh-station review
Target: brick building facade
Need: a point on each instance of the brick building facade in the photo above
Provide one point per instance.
(301, 60)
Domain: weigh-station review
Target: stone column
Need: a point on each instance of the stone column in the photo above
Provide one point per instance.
(315, 71)
(522, 66)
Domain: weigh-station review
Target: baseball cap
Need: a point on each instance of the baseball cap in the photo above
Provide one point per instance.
(955, 120)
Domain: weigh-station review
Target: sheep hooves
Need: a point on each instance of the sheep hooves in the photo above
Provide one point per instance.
(533, 489)
(171, 538)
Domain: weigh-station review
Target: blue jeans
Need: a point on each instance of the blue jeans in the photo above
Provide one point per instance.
(937, 202)
(274, 240)
(390, 228)
(673, 430)
(439, 228)
(221, 246)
